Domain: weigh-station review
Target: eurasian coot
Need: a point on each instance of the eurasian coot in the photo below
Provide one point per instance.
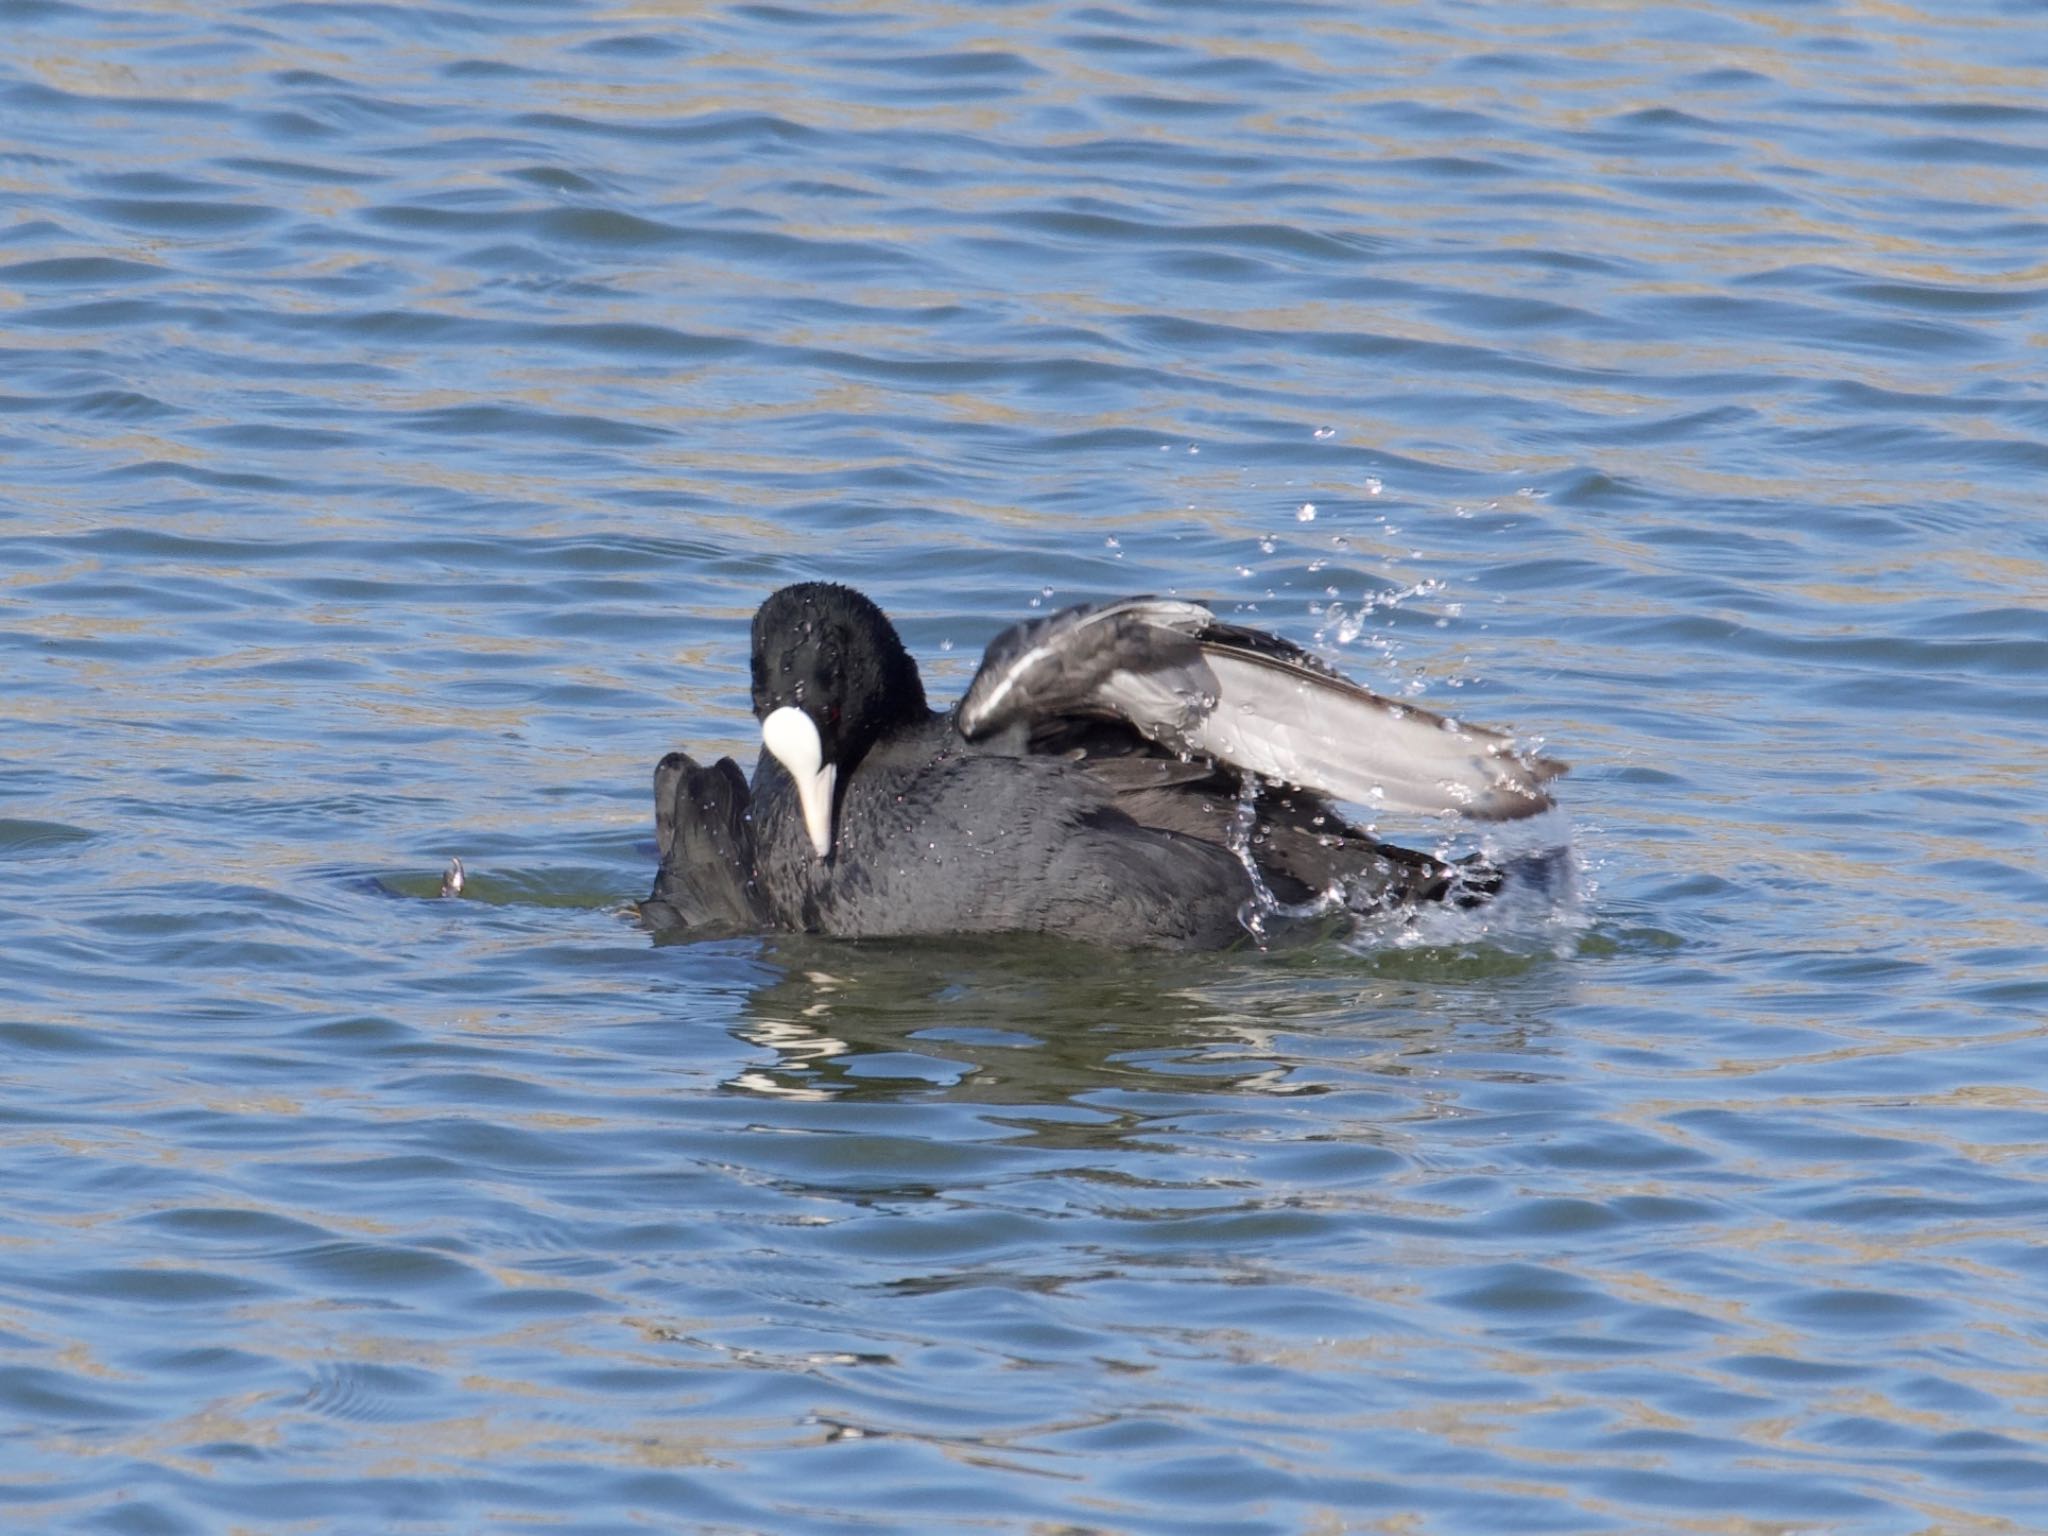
(1130, 772)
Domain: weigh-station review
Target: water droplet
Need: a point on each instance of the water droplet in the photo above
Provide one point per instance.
(1326, 431)
(1374, 485)
(1305, 513)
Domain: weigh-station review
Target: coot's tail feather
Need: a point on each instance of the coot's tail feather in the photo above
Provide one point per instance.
(706, 881)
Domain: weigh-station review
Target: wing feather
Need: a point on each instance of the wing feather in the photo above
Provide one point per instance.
(1204, 688)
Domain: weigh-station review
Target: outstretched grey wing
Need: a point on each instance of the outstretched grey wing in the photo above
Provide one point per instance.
(1196, 685)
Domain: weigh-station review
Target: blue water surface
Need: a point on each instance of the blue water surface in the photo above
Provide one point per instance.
(403, 409)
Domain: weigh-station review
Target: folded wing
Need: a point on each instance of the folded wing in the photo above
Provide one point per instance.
(1199, 686)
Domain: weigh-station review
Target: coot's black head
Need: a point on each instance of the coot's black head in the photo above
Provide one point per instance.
(831, 678)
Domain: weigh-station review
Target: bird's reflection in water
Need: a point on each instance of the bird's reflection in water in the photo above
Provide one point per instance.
(1013, 1022)
(1076, 1040)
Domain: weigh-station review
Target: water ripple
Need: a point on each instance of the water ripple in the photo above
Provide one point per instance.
(406, 408)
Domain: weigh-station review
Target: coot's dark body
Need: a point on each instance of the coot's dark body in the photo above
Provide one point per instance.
(937, 837)
(1069, 803)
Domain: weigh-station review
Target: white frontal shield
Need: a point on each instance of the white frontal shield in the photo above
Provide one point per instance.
(793, 738)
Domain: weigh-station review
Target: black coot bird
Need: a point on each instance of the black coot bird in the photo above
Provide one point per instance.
(1136, 772)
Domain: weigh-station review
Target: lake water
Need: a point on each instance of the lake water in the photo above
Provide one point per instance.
(404, 409)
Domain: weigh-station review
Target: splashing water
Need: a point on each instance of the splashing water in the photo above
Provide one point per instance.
(1544, 900)
(1244, 830)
